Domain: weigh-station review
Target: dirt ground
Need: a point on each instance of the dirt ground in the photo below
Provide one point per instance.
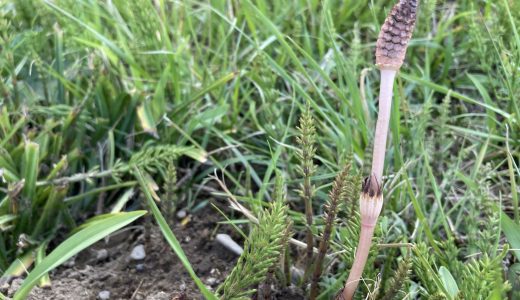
(107, 266)
(107, 269)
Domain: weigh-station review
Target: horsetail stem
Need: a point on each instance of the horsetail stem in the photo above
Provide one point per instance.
(391, 47)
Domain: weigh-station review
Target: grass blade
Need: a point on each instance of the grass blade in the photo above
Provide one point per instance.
(449, 282)
(144, 114)
(30, 168)
(18, 267)
(512, 232)
(169, 236)
(45, 281)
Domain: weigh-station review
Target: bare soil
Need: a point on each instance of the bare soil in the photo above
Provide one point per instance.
(107, 267)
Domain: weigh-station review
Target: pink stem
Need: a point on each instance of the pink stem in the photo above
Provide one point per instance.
(370, 207)
(365, 240)
(383, 119)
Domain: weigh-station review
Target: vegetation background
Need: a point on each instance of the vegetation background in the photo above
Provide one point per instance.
(99, 97)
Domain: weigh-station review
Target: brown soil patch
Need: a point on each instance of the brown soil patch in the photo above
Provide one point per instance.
(159, 276)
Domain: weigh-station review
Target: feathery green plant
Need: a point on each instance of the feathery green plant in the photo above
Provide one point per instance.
(169, 199)
(306, 140)
(340, 190)
(262, 249)
(396, 283)
(478, 278)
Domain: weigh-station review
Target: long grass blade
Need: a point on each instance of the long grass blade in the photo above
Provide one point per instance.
(169, 235)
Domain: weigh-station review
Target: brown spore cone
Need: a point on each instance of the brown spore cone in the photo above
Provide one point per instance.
(395, 35)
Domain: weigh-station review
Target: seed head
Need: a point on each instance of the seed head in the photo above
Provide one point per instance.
(395, 34)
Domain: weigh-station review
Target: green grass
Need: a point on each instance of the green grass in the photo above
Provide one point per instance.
(85, 85)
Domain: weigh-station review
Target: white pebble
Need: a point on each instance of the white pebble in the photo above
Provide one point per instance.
(138, 253)
(228, 242)
(101, 254)
(181, 214)
(104, 295)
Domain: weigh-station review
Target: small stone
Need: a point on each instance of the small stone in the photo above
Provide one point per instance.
(5, 283)
(71, 262)
(104, 295)
(211, 281)
(138, 253)
(158, 296)
(296, 274)
(226, 241)
(215, 272)
(187, 239)
(181, 214)
(101, 254)
(139, 267)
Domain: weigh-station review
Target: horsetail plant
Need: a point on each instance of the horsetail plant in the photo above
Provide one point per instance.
(262, 250)
(390, 53)
(306, 139)
(340, 189)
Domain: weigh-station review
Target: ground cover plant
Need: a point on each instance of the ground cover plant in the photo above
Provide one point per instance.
(128, 116)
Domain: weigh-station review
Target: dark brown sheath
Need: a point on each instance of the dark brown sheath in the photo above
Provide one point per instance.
(395, 35)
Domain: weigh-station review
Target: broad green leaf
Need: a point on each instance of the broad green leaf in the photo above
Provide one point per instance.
(30, 167)
(51, 210)
(208, 117)
(121, 202)
(74, 244)
(513, 276)
(13, 131)
(169, 236)
(44, 281)
(487, 99)
(197, 154)
(512, 232)
(18, 266)
(217, 83)
(92, 221)
(6, 219)
(449, 282)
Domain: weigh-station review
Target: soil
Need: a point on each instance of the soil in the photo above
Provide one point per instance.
(107, 267)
